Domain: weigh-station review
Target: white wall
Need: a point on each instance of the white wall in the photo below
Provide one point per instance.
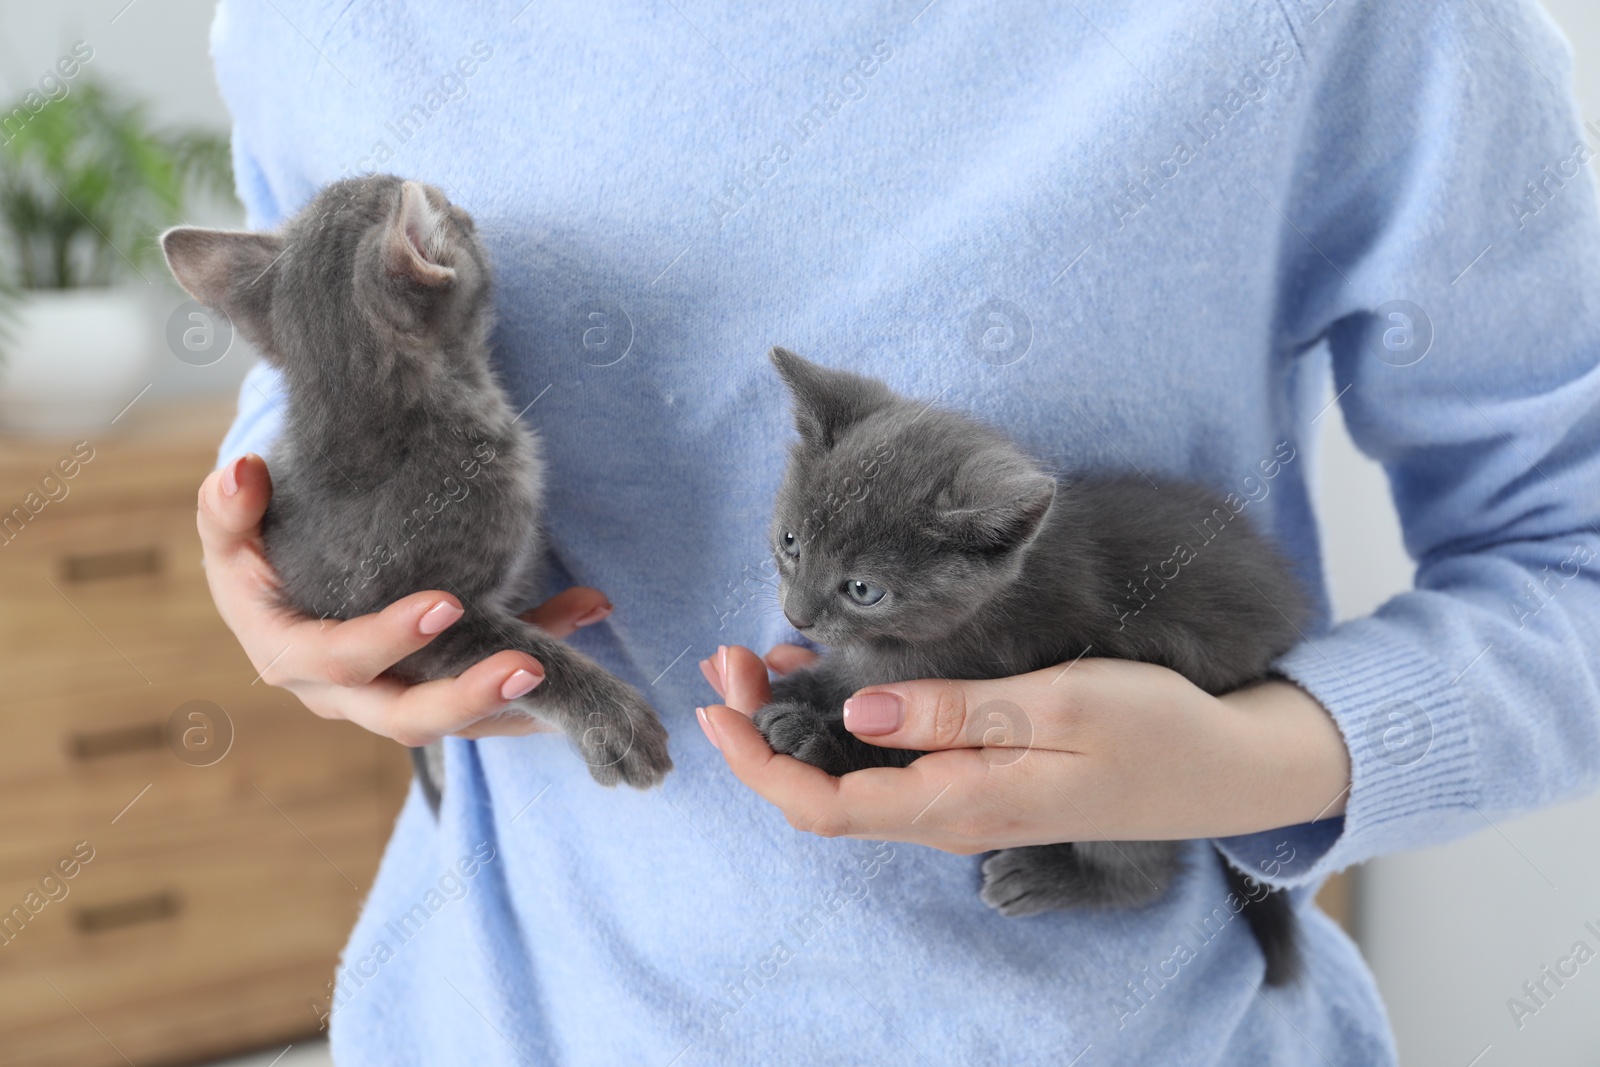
(1451, 932)
(157, 49)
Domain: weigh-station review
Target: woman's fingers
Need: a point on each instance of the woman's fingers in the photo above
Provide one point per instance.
(739, 677)
(735, 670)
(744, 679)
(889, 803)
(932, 715)
(708, 671)
(228, 515)
(228, 519)
(1035, 710)
(355, 651)
(784, 659)
(569, 611)
(466, 704)
(232, 500)
(753, 688)
(782, 780)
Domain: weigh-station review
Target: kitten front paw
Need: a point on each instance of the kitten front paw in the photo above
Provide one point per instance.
(799, 730)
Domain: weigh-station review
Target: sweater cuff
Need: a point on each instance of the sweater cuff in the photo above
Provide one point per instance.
(1412, 757)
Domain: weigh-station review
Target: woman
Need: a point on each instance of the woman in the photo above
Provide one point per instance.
(1135, 236)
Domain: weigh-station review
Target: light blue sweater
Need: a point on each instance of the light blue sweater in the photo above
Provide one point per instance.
(1136, 235)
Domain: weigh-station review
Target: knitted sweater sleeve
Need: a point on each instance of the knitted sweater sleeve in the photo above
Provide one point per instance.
(1441, 242)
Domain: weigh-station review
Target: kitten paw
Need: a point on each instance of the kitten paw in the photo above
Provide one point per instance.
(1097, 874)
(799, 730)
(1026, 881)
(626, 743)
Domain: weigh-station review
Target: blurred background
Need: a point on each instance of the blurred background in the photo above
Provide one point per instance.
(124, 892)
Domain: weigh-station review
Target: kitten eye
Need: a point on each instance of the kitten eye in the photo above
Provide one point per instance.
(862, 592)
(790, 543)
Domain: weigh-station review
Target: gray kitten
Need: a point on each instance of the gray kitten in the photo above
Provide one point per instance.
(402, 466)
(915, 542)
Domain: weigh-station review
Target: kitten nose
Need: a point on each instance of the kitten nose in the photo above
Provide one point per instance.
(796, 623)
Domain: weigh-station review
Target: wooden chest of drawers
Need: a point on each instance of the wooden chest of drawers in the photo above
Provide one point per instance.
(184, 849)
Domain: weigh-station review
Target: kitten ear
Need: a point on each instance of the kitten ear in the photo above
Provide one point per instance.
(1007, 513)
(826, 401)
(225, 270)
(415, 238)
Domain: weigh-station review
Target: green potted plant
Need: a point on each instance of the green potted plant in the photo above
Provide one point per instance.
(86, 184)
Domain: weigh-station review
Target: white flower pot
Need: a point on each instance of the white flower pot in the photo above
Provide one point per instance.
(74, 358)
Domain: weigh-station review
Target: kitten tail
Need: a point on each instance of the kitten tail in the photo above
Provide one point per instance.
(427, 764)
(1273, 923)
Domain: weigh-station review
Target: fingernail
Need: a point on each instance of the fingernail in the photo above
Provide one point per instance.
(519, 684)
(592, 616)
(230, 477)
(710, 731)
(873, 713)
(438, 617)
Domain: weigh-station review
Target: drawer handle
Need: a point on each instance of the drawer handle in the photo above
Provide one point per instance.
(105, 917)
(123, 563)
(116, 742)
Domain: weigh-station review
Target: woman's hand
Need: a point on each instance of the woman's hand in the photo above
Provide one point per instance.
(1099, 749)
(334, 666)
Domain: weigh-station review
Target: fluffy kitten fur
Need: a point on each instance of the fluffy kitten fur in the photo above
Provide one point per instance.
(989, 567)
(401, 465)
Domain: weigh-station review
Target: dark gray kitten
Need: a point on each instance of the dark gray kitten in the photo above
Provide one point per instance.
(915, 542)
(401, 465)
